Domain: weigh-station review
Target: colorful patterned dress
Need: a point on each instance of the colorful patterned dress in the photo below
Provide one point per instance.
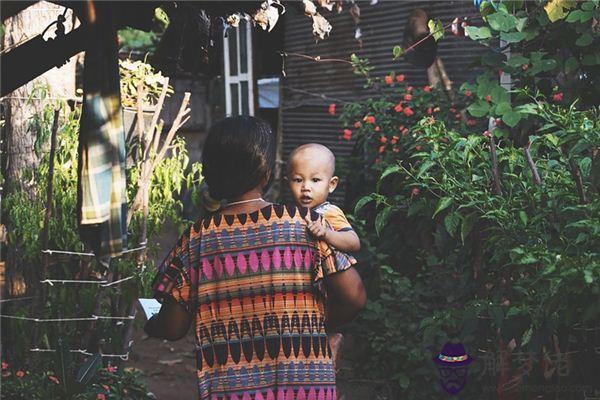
(260, 331)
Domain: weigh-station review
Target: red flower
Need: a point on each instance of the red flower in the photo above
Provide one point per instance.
(430, 111)
(427, 88)
(332, 109)
(525, 67)
(370, 119)
(457, 116)
(398, 107)
(452, 110)
(383, 139)
(100, 396)
(357, 124)
(19, 374)
(408, 111)
(4, 365)
(409, 89)
(558, 97)
(404, 131)
(468, 93)
(415, 192)
(418, 148)
(381, 149)
(488, 98)
(400, 78)
(394, 139)
(111, 368)
(377, 128)
(408, 97)
(471, 122)
(106, 388)
(487, 134)
(53, 379)
(389, 80)
(347, 134)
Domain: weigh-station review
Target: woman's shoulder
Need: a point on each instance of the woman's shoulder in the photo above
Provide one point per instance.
(271, 213)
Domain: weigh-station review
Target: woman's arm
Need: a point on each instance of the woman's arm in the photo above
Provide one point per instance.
(346, 297)
(172, 321)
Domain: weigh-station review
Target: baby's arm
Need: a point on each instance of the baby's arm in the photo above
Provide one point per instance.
(341, 240)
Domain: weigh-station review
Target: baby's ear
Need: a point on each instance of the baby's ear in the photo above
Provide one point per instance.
(333, 182)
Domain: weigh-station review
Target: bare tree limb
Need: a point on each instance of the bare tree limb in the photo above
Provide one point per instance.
(534, 170)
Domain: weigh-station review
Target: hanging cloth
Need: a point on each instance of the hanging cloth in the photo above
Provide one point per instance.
(102, 200)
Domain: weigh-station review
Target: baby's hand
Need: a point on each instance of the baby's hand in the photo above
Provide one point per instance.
(316, 229)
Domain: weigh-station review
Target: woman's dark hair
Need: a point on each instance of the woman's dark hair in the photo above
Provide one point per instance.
(239, 153)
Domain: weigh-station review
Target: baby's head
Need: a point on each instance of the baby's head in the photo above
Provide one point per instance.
(310, 174)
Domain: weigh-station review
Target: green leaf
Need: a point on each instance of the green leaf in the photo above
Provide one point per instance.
(523, 217)
(584, 40)
(503, 108)
(588, 6)
(479, 109)
(511, 118)
(548, 64)
(467, 226)
(382, 218)
(451, 222)
(574, 16)
(499, 94)
(89, 368)
(526, 336)
(517, 61)
(363, 202)
(393, 169)
(571, 65)
(397, 51)
(443, 203)
(588, 276)
(512, 37)
(502, 21)
(476, 33)
(424, 168)
(591, 59)
(63, 364)
(436, 28)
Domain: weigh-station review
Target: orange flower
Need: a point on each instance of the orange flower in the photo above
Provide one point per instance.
(408, 111)
(488, 98)
(377, 129)
(418, 147)
(487, 134)
(415, 192)
(468, 93)
(525, 67)
(383, 139)
(394, 139)
(347, 134)
(4, 365)
(332, 109)
(370, 119)
(357, 124)
(106, 388)
(19, 374)
(389, 80)
(381, 149)
(111, 368)
(100, 396)
(427, 88)
(557, 97)
(53, 379)
(400, 78)
(404, 131)
(409, 89)
(430, 111)
(398, 107)
(408, 97)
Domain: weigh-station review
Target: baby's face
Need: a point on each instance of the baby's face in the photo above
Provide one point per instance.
(310, 179)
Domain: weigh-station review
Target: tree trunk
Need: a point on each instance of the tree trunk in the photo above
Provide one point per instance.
(18, 110)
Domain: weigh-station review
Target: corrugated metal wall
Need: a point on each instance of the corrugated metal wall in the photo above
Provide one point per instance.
(305, 117)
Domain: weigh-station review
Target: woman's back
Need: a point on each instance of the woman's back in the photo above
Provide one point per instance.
(248, 279)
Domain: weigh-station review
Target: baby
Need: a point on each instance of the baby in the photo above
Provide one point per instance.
(311, 169)
(311, 179)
